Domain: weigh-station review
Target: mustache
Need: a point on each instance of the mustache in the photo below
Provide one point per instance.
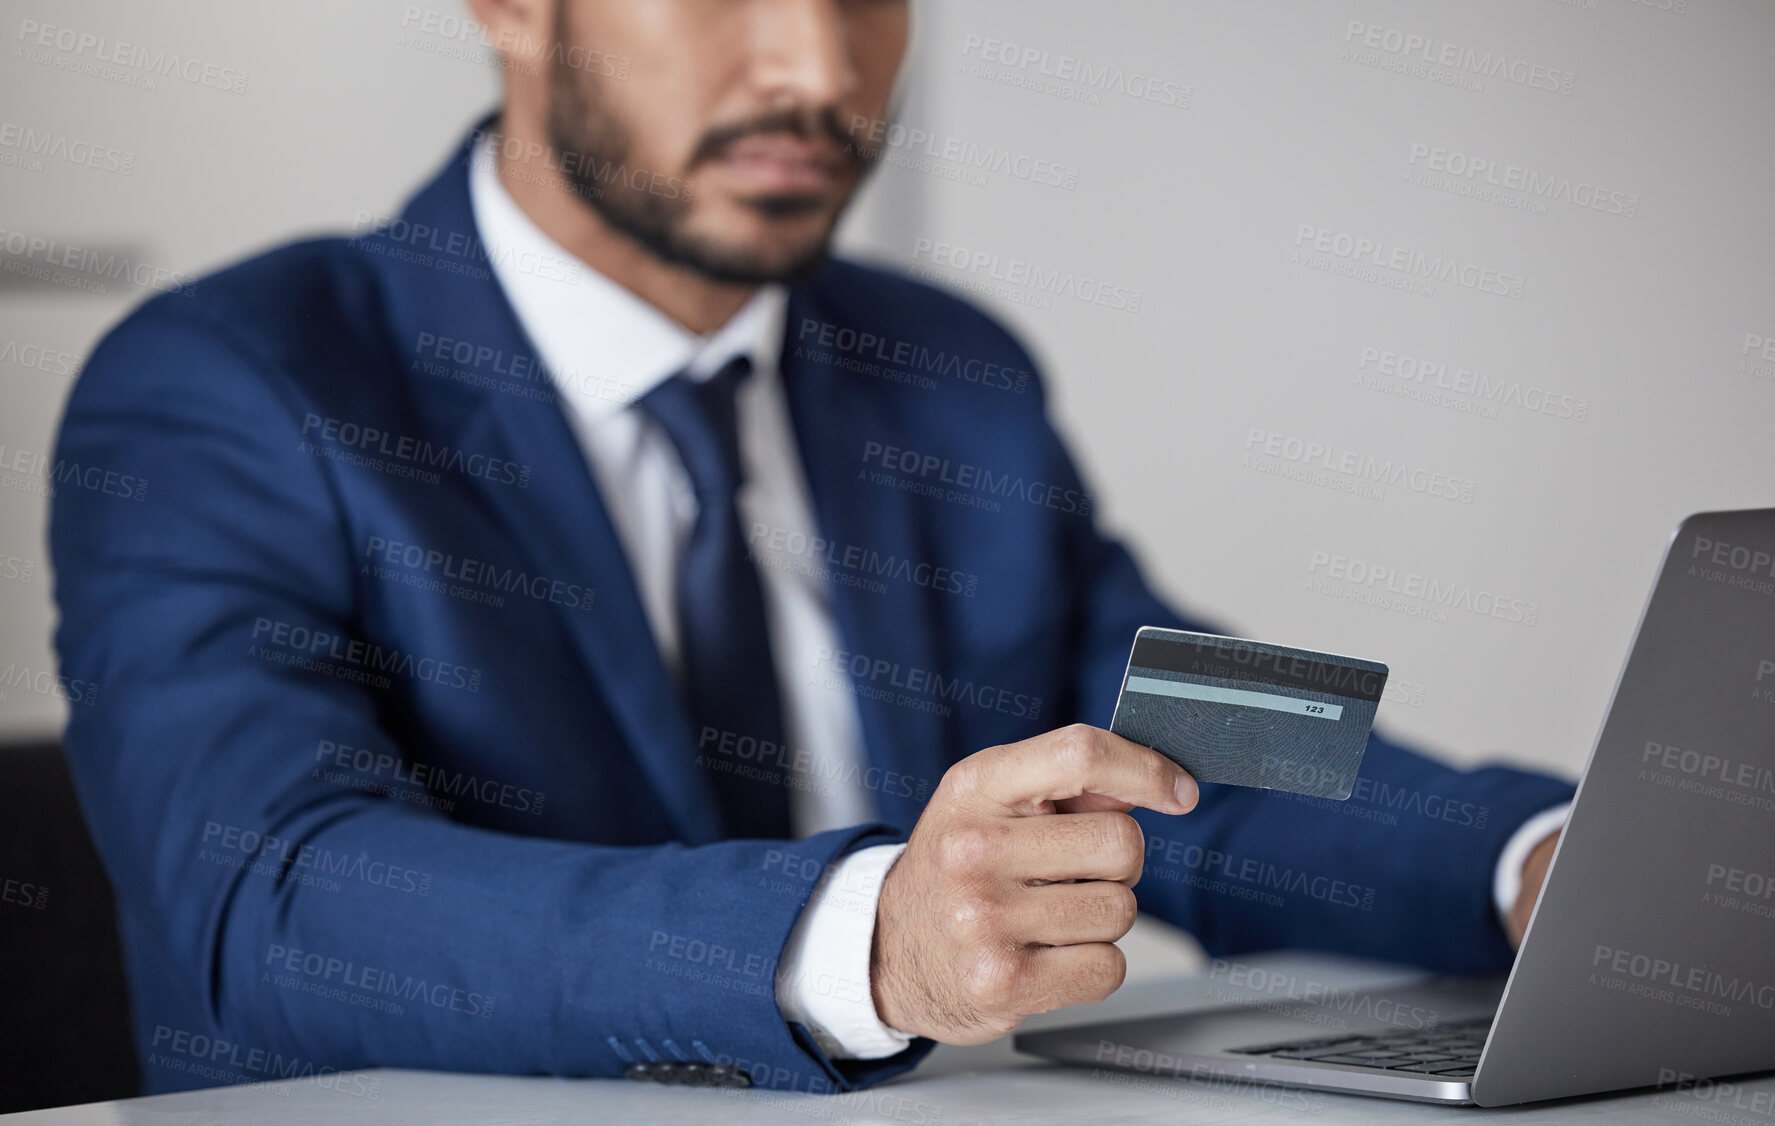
(803, 124)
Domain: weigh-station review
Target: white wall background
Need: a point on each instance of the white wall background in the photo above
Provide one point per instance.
(1199, 207)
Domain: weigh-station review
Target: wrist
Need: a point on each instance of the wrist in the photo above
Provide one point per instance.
(1507, 878)
(882, 963)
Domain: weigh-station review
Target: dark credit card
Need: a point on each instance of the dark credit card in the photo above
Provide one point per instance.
(1244, 713)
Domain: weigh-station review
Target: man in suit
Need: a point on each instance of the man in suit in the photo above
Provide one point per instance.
(577, 626)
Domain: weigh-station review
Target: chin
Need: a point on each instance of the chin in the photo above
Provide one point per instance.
(768, 240)
(782, 262)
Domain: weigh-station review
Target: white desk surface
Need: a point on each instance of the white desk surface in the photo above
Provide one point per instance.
(954, 1087)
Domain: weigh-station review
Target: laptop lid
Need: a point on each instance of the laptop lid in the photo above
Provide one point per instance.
(1651, 956)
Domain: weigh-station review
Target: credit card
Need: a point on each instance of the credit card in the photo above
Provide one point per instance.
(1245, 713)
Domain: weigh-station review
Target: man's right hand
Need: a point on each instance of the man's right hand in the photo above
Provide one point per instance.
(1016, 883)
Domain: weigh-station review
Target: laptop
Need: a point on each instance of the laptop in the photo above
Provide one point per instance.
(1650, 958)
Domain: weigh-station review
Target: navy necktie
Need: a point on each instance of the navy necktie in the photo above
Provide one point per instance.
(727, 674)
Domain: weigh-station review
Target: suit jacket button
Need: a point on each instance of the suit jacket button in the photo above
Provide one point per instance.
(721, 1075)
(686, 1073)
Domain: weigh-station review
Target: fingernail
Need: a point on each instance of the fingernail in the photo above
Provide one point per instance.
(1188, 793)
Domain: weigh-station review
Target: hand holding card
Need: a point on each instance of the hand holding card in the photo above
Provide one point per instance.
(1244, 713)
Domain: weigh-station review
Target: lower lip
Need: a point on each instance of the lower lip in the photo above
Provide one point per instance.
(767, 174)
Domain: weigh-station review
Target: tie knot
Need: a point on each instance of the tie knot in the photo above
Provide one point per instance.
(701, 419)
(726, 380)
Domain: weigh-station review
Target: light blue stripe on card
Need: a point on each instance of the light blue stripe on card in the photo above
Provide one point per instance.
(1240, 696)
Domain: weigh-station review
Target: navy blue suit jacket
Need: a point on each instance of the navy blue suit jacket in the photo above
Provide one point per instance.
(385, 764)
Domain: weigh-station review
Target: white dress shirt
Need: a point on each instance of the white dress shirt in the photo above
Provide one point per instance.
(604, 348)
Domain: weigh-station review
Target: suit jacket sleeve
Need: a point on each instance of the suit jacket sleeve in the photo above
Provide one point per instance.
(283, 902)
(1402, 871)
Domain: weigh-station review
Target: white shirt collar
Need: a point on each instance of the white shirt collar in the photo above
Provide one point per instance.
(603, 346)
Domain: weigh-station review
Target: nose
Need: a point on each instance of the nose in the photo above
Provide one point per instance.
(801, 52)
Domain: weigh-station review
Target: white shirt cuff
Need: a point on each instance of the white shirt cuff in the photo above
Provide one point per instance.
(1506, 882)
(823, 978)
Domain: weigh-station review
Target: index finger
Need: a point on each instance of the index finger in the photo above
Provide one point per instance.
(1030, 776)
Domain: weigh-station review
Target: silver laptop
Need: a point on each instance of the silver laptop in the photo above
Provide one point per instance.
(1650, 960)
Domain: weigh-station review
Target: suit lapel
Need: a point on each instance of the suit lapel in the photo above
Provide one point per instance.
(559, 520)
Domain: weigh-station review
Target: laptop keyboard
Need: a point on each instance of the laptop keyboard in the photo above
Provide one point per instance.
(1448, 1051)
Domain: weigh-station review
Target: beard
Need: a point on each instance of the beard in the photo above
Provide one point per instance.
(593, 142)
